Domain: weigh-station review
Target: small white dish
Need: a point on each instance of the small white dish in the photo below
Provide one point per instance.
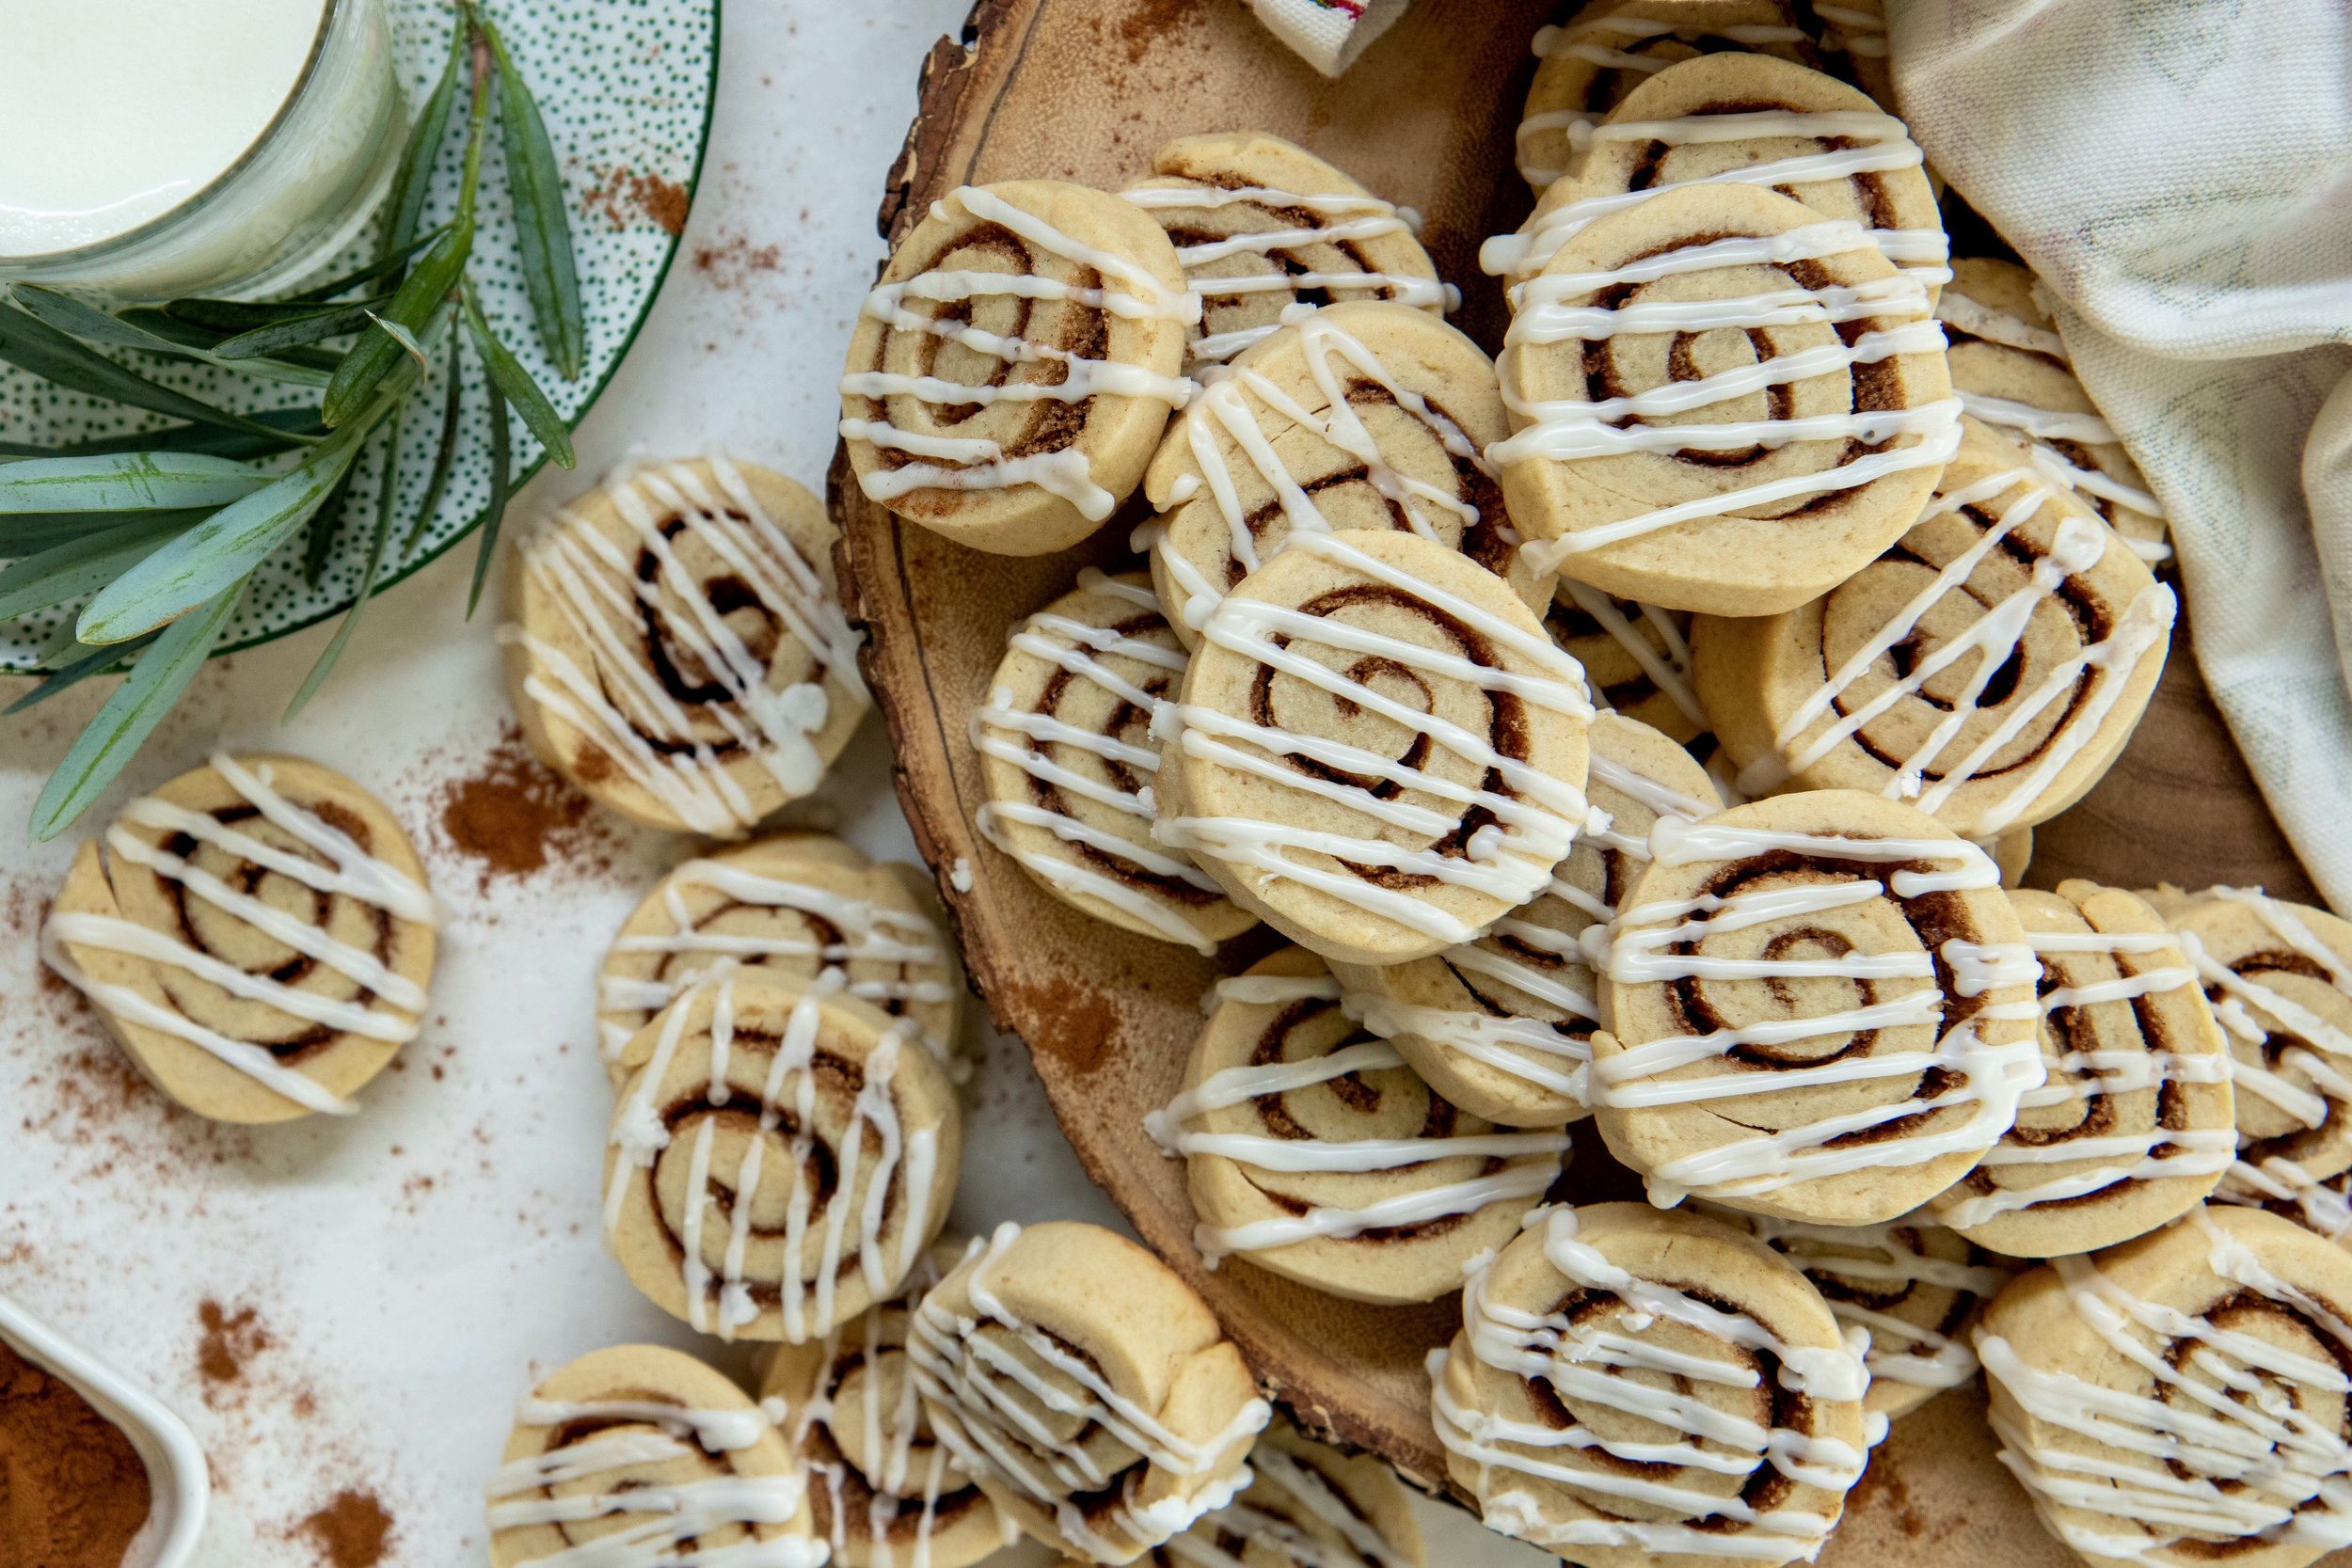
(179, 1480)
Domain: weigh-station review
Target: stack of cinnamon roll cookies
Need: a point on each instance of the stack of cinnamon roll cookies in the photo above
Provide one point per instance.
(1649, 725)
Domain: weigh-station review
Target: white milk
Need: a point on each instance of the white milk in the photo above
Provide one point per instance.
(117, 116)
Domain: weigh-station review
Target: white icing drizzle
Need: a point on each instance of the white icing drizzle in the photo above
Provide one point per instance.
(1594, 40)
(1537, 820)
(1238, 1085)
(2321, 1204)
(523, 1494)
(2076, 547)
(1918, 1355)
(1571, 429)
(1228, 403)
(1590, 1365)
(594, 587)
(1022, 737)
(1668, 668)
(2241, 998)
(1340, 217)
(2226, 1453)
(963, 1369)
(2151, 1155)
(1990, 1078)
(870, 932)
(1265, 1536)
(980, 463)
(351, 873)
(1876, 143)
(640, 1136)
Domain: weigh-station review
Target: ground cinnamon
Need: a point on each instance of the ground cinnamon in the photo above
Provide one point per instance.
(73, 1492)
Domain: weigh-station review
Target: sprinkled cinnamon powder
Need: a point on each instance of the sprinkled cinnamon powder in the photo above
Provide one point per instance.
(229, 1340)
(621, 194)
(511, 814)
(353, 1531)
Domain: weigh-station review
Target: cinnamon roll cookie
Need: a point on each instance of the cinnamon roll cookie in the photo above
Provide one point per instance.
(1368, 416)
(807, 907)
(1086, 1387)
(257, 934)
(1308, 1506)
(1631, 1387)
(1820, 1006)
(1989, 666)
(1261, 224)
(1913, 1287)
(633, 1455)
(2280, 978)
(779, 1159)
(1503, 1026)
(1378, 751)
(883, 1490)
(1724, 401)
(676, 644)
(2010, 370)
(1636, 658)
(1748, 120)
(2182, 1398)
(1317, 1152)
(2133, 1126)
(1013, 370)
(1067, 750)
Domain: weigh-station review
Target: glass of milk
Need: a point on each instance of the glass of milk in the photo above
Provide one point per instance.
(153, 149)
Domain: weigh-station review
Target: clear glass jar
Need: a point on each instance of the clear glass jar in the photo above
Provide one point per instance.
(297, 194)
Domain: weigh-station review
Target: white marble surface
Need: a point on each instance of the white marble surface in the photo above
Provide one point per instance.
(410, 1270)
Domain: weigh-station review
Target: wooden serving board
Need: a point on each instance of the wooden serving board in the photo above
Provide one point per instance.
(1086, 90)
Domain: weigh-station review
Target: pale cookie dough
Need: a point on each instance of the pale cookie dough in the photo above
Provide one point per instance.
(1261, 224)
(257, 933)
(1821, 1007)
(1013, 370)
(1316, 1152)
(1503, 1026)
(1989, 667)
(1724, 401)
(1067, 750)
(1086, 1387)
(779, 1158)
(2180, 1400)
(2133, 1126)
(1351, 416)
(1615, 1324)
(1378, 751)
(676, 644)
(623, 1453)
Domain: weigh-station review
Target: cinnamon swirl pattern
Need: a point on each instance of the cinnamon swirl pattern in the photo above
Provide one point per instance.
(1378, 750)
(883, 1490)
(1014, 366)
(779, 1160)
(2280, 978)
(257, 934)
(1913, 1287)
(2133, 1126)
(1066, 748)
(1308, 1506)
(640, 1457)
(1990, 666)
(1261, 226)
(1319, 1154)
(1086, 1387)
(2181, 1398)
(1747, 119)
(808, 909)
(2010, 370)
(1503, 1026)
(1821, 1007)
(1630, 1385)
(1351, 416)
(1724, 403)
(676, 644)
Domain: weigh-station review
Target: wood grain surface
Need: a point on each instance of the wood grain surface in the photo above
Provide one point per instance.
(1086, 90)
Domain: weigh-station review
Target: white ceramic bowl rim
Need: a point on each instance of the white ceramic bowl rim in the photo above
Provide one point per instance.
(178, 1477)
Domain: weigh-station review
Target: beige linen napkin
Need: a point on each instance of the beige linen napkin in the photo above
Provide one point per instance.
(2179, 173)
